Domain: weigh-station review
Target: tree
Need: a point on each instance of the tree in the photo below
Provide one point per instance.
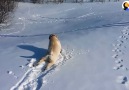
(6, 6)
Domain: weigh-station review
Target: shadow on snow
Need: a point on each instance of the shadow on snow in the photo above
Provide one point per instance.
(38, 52)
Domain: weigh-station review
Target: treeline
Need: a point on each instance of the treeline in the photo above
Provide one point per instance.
(42, 1)
(6, 6)
(102, 0)
(86, 1)
(61, 1)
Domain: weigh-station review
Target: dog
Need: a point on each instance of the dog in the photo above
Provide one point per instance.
(54, 50)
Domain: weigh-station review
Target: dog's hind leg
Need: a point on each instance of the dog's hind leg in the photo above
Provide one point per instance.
(43, 59)
(49, 65)
(61, 51)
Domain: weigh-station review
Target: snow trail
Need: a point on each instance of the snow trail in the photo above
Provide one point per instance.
(119, 51)
(62, 32)
(34, 78)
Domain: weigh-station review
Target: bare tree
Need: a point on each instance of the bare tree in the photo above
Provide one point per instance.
(91, 0)
(6, 6)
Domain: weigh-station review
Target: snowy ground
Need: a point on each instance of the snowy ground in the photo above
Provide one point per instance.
(94, 38)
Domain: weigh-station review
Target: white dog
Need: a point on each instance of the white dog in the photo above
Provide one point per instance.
(54, 50)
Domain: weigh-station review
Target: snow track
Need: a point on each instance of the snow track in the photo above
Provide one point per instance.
(119, 49)
(34, 78)
(119, 52)
(62, 32)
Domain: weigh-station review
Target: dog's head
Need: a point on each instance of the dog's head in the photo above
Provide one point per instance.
(53, 35)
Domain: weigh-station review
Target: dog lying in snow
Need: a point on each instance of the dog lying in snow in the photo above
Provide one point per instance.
(54, 50)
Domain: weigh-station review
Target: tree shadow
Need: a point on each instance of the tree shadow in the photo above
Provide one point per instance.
(38, 52)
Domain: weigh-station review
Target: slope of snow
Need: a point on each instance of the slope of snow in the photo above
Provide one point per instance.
(94, 37)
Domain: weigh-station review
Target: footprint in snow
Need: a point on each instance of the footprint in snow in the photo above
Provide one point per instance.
(11, 73)
(118, 49)
(22, 66)
(119, 60)
(121, 79)
(115, 56)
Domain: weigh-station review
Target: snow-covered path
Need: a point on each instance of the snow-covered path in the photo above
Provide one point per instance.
(94, 35)
(34, 77)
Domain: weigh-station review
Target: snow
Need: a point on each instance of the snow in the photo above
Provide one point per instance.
(121, 79)
(34, 75)
(22, 66)
(32, 61)
(10, 72)
(94, 37)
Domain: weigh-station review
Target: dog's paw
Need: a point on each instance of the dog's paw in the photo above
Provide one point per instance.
(35, 64)
(43, 69)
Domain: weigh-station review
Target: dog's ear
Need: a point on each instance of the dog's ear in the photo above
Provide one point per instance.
(52, 36)
(56, 36)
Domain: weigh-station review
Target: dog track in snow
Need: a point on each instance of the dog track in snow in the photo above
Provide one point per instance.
(119, 51)
(12, 73)
(119, 48)
(34, 78)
